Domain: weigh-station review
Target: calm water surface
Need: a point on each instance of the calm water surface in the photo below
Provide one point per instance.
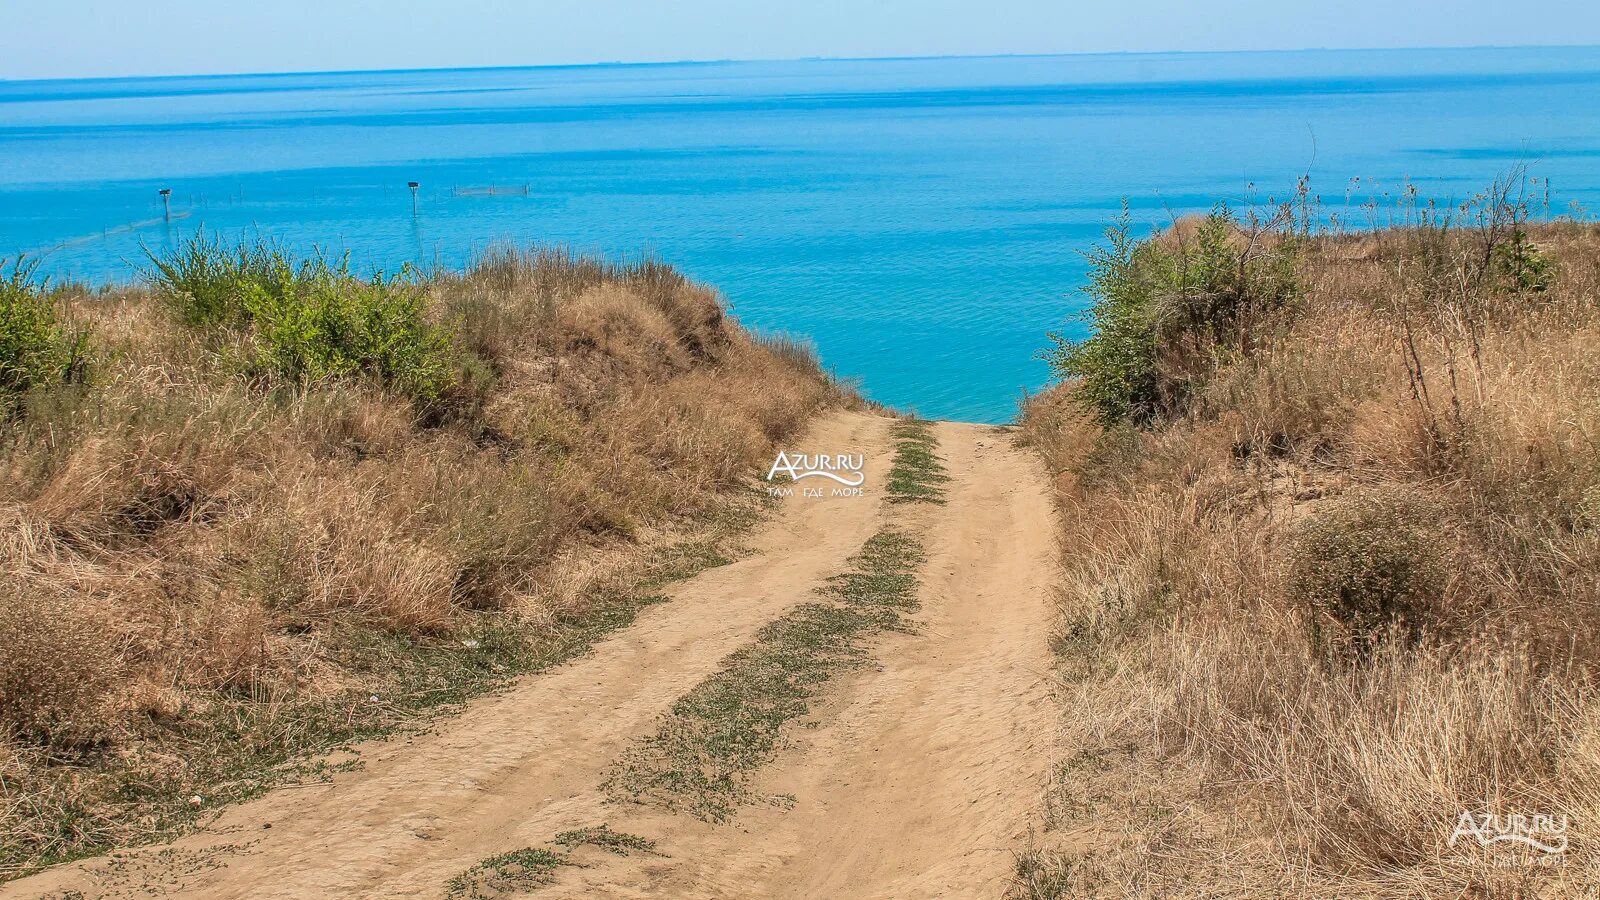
(920, 220)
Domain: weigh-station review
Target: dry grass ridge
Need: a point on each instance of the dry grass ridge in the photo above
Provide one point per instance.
(262, 507)
(1332, 504)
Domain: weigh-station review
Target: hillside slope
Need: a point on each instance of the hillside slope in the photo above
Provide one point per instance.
(1333, 540)
(261, 508)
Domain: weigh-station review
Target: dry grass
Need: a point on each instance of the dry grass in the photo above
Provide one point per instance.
(1349, 592)
(210, 569)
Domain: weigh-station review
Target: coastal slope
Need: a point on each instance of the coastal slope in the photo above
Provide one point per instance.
(911, 772)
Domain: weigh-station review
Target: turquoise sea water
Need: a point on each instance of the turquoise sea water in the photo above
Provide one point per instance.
(920, 220)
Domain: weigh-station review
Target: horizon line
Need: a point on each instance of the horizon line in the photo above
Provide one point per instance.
(617, 64)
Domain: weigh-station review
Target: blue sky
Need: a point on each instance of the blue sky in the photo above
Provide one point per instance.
(76, 38)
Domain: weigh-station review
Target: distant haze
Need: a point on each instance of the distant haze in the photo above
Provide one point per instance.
(85, 38)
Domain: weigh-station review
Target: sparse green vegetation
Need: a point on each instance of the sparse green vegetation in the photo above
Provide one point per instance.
(506, 875)
(917, 475)
(520, 871)
(1522, 265)
(619, 843)
(1041, 874)
(701, 758)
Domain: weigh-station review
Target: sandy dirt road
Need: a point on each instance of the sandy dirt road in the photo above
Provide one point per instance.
(916, 777)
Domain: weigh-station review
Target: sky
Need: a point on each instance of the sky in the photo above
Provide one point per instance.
(93, 38)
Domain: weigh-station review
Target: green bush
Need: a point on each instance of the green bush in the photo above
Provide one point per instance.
(328, 325)
(205, 282)
(1169, 309)
(310, 319)
(1520, 265)
(1116, 367)
(1370, 564)
(36, 346)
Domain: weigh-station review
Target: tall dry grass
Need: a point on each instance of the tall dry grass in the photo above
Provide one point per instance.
(1347, 592)
(211, 564)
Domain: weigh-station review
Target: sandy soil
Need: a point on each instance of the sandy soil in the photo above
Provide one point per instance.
(914, 778)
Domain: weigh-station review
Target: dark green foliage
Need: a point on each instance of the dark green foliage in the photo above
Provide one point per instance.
(1169, 310)
(309, 319)
(1521, 265)
(36, 346)
(1117, 366)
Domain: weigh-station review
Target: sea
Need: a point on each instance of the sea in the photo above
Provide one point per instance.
(922, 221)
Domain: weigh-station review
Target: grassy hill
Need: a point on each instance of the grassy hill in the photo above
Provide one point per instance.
(261, 507)
(1332, 563)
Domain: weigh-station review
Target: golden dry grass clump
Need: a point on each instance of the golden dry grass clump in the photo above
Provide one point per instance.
(272, 517)
(1345, 589)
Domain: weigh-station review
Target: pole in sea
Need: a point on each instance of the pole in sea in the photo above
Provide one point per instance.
(166, 203)
(413, 185)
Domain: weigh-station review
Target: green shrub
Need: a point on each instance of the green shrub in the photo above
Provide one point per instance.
(310, 319)
(328, 325)
(1117, 366)
(1520, 265)
(36, 347)
(1168, 310)
(1369, 564)
(205, 282)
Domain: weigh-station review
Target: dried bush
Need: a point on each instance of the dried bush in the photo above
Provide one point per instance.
(1371, 562)
(59, 666)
